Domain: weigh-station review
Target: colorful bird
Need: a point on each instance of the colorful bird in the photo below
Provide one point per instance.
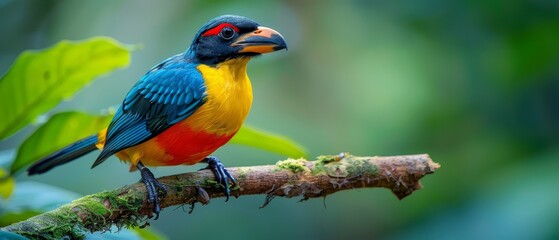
(184, 108)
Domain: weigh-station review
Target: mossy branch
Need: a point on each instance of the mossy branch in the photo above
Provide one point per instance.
(128, 206)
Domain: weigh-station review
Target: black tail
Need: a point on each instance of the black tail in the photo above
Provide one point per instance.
(62, 156)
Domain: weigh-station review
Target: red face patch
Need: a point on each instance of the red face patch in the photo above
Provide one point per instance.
(217, 30)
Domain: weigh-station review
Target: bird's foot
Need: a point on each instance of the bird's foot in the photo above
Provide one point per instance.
(221, 174)
(153, 187)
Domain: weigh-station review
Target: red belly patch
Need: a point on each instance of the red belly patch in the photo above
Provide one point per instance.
(187, 146)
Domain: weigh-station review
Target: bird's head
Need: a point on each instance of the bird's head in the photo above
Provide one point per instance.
(229, 37)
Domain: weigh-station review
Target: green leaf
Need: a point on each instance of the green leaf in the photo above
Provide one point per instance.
(39, 80)
(32, 198)
(148, 234)
(59, 131)
(7, 157)
(268, 141)
(9, 217)
(6, 184)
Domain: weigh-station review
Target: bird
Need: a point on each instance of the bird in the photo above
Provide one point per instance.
(182, 109)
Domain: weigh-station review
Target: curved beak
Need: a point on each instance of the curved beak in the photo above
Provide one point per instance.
(262, 40)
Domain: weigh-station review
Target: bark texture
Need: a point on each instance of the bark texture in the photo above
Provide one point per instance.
(128, 206)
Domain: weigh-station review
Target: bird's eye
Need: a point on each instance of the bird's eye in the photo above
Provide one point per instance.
(227, 33)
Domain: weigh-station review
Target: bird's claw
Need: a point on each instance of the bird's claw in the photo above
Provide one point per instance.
(221, 175)
(153, 187)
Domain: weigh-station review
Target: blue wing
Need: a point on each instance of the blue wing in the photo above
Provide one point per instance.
(167, 94)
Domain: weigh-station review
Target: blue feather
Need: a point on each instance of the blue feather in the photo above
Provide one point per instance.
(166, 95)
(65, 155)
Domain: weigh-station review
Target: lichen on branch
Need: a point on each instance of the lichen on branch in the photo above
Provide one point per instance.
(128, 206)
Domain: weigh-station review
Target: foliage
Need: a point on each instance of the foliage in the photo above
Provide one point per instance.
(39, 80)
(60, 130)
(6, 184)
(32, 198)
(257, 138)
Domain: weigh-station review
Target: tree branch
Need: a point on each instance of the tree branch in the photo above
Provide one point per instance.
(128, 206)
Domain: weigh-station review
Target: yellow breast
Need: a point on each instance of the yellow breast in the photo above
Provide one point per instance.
(229, 98)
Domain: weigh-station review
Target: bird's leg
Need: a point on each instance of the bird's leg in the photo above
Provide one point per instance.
(152, 187)
(221, 174)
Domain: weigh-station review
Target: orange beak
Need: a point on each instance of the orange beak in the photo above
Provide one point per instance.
(262, 40)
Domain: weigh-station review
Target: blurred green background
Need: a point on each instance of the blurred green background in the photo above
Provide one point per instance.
(473, 83)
